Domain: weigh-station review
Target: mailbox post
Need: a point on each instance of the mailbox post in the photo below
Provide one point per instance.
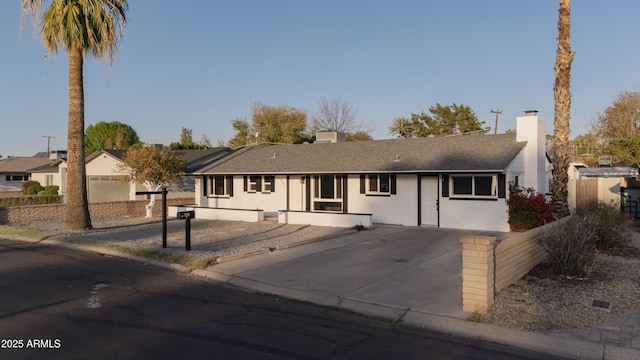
(187, 216)
(163, 191)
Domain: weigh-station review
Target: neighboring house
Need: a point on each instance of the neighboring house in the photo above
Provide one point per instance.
(16, 170)
(607, 185)
(450, 182)
(105, 182)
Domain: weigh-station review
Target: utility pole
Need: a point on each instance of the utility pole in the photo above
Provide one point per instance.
(497, 112)
(48, 144)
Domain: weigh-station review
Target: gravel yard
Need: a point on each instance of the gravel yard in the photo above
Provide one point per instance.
(211, 240)
(539, 302)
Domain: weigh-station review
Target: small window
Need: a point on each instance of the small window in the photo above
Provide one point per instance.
(379, 184)
(17, 178)
(268, 183)
(468, 186)
(219, 183)
(253, 183)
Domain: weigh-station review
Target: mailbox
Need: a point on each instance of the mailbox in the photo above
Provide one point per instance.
(188, 214)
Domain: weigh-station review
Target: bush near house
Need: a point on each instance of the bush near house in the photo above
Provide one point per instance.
(528, 209)
(573, 246)
(34, 189)
(27, 184)
(613, 227)
(30, 200)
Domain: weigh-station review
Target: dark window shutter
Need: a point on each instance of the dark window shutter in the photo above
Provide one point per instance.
(204, 185)
(230, 185)
(363, 184)
(245, 183)
(259, 184)
(273, 183)
(502, 186)
(316, 186)
(393, 183)
(445, 185)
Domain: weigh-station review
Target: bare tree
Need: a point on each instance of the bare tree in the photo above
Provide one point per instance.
(336, 114)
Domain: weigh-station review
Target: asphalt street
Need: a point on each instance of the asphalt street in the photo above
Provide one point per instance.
(60, 303)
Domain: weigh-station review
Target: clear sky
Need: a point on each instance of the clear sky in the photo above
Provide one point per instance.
(200, 64)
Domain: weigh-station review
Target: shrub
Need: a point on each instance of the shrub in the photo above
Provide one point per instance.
(571, 247)
(30, 200)
(27, 184)
(527, 208)
(34, 189)
(613, 228)
(52, 189)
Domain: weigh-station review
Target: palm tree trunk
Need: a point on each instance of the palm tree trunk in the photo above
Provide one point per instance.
(77, 207)
(562, 98)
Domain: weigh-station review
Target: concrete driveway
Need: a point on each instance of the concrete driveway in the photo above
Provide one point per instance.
(387, 270)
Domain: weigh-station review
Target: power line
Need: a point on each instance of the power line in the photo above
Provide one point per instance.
(497, 112)
(48, 143)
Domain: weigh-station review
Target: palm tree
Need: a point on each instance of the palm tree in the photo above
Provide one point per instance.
(562, 111)
(402, 127)
(78, 27)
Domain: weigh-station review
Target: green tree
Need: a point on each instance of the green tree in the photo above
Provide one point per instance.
(152, 167)
(402, 127)
(447, 120)
(112, 135)
(78, 27)
(359, 136)
(186, 141)
(562, 112)
(619, 128)
(278, 124)
(244, 134)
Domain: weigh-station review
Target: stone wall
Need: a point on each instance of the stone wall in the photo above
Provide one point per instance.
(106, 210)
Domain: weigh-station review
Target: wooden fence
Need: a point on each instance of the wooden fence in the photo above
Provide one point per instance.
(586, 193)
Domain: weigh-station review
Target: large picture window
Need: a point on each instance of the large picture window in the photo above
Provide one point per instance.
(327, 192)
(482, 186)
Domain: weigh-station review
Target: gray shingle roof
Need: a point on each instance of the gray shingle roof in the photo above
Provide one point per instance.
(439, 154)
(21, 164)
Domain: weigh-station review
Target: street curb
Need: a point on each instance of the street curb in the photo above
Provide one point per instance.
(542, 343)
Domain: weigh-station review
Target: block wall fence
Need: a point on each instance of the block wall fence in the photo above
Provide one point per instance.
(106, 210)
(489, 264)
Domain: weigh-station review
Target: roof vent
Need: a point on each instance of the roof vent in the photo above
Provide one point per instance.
(531, 112)
(397, 159)
(275, 155)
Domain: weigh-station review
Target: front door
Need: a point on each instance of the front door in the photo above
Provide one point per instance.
(429, 200)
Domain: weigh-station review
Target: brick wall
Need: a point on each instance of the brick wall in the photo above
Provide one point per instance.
(490, 264)
(107, 210)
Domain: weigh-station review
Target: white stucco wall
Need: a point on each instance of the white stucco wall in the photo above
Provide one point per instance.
(42, 177)
(103, 165)
(400, 208)
(474, 214)
(531, 128)
(269, 202)
(324, 219)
